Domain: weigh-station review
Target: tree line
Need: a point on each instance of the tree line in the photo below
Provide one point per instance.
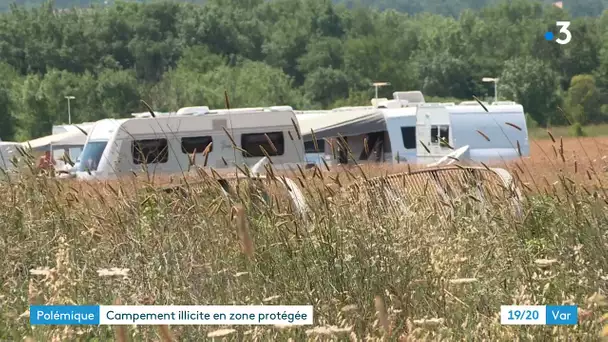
(452, 7)
(304, 53)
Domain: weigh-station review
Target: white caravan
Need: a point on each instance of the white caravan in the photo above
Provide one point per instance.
(311, 154)
(8, 152)
(74, 151)
(409, 130)
(166, 144)
(60, 144)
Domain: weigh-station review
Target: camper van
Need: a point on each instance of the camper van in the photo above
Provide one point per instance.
(173, 143)
(407, 129)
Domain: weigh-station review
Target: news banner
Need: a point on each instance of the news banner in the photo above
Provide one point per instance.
(171, 315)
(250, 315)
(538, 315)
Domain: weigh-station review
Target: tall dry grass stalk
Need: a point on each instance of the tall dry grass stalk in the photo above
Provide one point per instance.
(165, 333)
(382, 314)
(242, 227)
(120, 331)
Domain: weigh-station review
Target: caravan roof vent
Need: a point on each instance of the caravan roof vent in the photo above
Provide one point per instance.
(353, 108)
(503, 103)
(311, 112)
(280, 108)
(199, 110)
(472, 103)
(237, 110)
(378, 101)
(391, 104)
(434, 104)
(412, 97)
(147, 114)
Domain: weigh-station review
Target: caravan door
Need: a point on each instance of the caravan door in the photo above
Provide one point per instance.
(433, 130)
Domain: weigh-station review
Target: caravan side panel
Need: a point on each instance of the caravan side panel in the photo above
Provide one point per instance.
(401, 128)
(170, 142)
(249, 129)
(161, 140)
(497, 125)
(95, 159)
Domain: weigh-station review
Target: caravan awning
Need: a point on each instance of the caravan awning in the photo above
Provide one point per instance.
(346, 123)
(57, 141)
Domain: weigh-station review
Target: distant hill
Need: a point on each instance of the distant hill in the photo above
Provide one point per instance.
(454, 7)
(446, 7)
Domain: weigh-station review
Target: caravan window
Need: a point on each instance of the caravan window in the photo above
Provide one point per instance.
(373, 143)
(444, 133)
(309, 146)
(440, 133)
(196, 144)
(434, 134)
(409, 137)
(91, 155)
(343, 148)
(150, 151)
(251, 143)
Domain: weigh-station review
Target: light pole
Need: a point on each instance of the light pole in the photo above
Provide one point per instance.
(495, 81)
(69, 113)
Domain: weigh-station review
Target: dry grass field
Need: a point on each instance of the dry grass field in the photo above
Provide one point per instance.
(583, 160)
(369, 276)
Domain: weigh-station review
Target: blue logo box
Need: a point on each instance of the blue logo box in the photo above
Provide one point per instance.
(64, 314)
(561, 314)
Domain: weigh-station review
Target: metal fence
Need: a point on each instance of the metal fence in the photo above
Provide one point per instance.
(439, 190)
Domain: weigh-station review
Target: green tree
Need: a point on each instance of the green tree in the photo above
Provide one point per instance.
(445, 75)
(8, 121)
(326, 85)
(41, 101)
(326, 52)
(305, 53)
(533, 84)
(583, 100)
(252, 84)
(581, 55)
(200, 59)
(117, 93)
(34, 119)
(249, 84)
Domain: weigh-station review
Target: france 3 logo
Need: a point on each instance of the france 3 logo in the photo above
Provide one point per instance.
(563, 31)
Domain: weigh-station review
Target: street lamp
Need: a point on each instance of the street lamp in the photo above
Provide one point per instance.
(69, 113)
(378, 85)
(495, 81)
